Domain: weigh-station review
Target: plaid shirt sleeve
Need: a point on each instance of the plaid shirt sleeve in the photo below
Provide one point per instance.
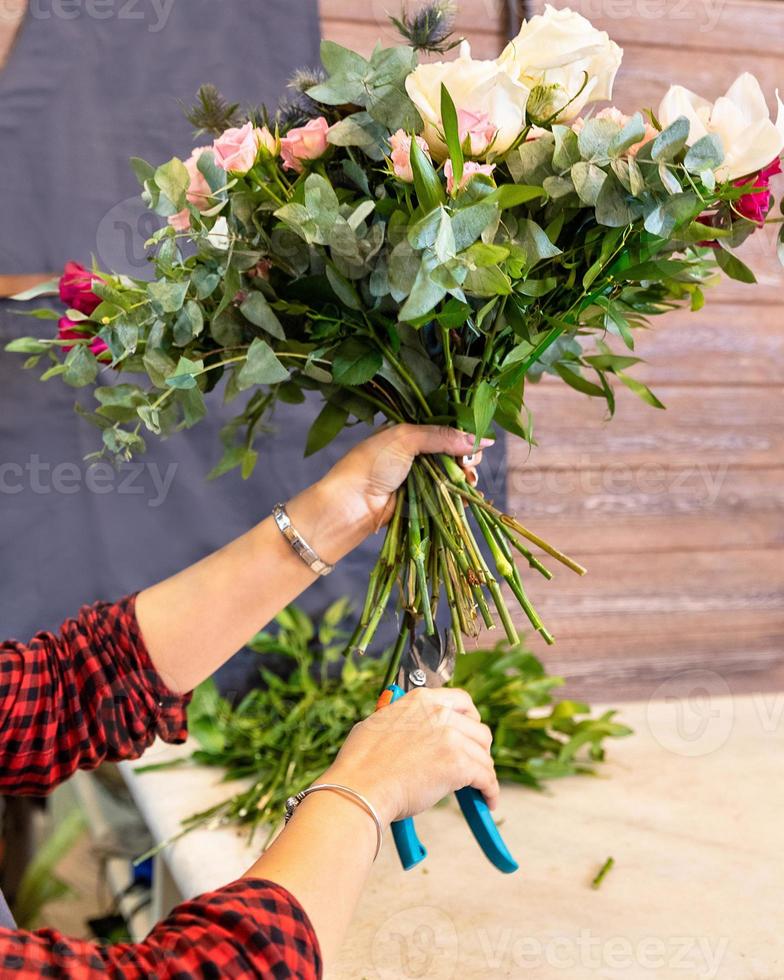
(249, 929)
(85, 696)
(88, 695)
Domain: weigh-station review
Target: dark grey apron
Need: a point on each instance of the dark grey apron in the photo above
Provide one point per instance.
(79, 95)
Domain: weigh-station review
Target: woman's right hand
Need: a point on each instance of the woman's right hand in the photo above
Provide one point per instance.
(412, 753)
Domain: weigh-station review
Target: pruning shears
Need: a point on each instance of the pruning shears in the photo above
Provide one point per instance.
(429, 662)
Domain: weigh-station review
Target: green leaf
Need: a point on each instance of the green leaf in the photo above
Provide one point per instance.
(327, 424)
(469, 223)
(320, 196)
(167, 297)
(424, 295)
(184, 376)
(487, 281)
(671, 140)
(452, 134)
(81, 367)
(355, 361)
(567, 150)
(632, 132)
(342, 288)
(49, 288)
(578, 382)
(596, 137)
(427, 184)
(256, 309)
(706, 154)
(588, 180)
(387, 100)
(534, 242)
(262, 367)
(483, 407)
(642, 391)
(173, 179)
(189, 324)
(732, 266)
(359, 129)
(671, 214)
(26, 345)
(513, 195)
(346, 82)
(143, 171)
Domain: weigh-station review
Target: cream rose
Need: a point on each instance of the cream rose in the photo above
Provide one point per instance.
(479, 90)
(741, 119)
(556, 50)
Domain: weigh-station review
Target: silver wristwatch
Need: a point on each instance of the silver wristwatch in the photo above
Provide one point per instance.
(298, 543)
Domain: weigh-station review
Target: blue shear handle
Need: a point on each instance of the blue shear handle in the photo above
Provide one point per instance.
(480, 820)
(410, 849)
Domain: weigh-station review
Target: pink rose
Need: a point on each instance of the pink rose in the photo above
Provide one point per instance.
(470, 169)
(198, 193)
(755, 205)
(76, 288)
(475, 130)
(536, 133)
(69, 330)
(308, 142)
(236, 149)
(401, 154)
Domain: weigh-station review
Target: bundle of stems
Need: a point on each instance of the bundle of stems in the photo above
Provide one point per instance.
(430, 544)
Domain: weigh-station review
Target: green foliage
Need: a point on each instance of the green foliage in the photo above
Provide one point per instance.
(40, 883)
(283, 735)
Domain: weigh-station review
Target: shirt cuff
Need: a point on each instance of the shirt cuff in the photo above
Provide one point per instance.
(172, 717)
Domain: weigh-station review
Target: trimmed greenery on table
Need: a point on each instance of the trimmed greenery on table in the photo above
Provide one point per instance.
(283, 735)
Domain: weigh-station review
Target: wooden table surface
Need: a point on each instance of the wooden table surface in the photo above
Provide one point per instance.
(690, 809)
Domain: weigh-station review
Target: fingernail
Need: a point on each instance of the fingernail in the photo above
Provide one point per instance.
(486, 442)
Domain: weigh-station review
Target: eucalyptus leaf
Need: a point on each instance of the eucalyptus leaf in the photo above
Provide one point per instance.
(262, 367)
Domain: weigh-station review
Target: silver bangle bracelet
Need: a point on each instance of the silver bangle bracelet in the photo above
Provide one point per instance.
(294, 801)
(298, 543)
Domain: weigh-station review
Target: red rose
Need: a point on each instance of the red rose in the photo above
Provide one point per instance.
(68, 330)
(76, 288)
(755, 205)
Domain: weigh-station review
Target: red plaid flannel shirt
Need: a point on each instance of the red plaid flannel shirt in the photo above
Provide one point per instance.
(88, 695)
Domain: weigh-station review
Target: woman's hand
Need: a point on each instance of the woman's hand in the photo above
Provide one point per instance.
(364, 482)
(410, 754)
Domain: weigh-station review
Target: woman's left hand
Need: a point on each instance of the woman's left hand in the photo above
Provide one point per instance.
(364, 481)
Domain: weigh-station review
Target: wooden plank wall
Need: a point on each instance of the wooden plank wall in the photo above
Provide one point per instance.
(678, 514)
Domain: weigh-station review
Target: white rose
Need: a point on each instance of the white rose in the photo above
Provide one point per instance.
(556, 50)
(741, 120)
(479, 87)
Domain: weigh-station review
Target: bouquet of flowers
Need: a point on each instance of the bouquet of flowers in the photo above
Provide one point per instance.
(419, 241)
